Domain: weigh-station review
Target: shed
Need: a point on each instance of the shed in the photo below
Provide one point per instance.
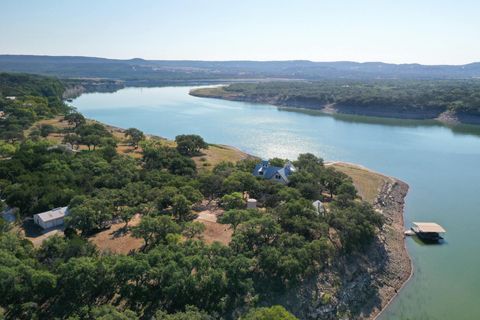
(52, 218)
(251, 203)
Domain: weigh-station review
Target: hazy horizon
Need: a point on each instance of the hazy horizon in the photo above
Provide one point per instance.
(427, 32)
(231, 60)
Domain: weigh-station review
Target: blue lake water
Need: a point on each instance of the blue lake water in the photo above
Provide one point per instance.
(441, 165)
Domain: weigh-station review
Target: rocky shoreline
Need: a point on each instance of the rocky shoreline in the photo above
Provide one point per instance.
(360, 286)
(370, 281)
(432, 114)
(399, 266)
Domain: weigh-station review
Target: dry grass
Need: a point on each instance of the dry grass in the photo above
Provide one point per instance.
(368, 183)
(214, 231)
(218, 153)
(114, 240)
(212, 92)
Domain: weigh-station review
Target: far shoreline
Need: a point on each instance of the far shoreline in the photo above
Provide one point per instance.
(446, 118)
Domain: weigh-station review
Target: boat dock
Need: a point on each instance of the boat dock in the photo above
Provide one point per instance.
(427, 231)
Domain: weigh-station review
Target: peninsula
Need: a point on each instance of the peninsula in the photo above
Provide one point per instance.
(155, 227)
(447, 101)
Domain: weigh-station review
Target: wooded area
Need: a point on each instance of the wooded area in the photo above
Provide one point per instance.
(175, 275)
(419, 95)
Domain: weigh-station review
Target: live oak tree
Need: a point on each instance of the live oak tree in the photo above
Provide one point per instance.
(135, 136)
(272, 313)
(190, 145)
(181, 207)
(89, 214)
(232, 201)
(235, 217)
(75, 118)
(193, 229)
(154, 230)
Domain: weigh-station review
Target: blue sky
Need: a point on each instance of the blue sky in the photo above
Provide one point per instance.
(400, 31)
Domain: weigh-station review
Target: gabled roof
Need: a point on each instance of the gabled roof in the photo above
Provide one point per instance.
(53, 214)
(270, 171)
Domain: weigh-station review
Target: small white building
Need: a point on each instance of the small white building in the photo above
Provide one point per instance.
(318, 205)
(52, 218)
(251, 203)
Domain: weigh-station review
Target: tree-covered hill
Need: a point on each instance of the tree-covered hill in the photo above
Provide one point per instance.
(26, 98)
(17, 84)
(185, 70)
(416, 99)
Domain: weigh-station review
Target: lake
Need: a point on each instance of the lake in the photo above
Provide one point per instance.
(441, 165)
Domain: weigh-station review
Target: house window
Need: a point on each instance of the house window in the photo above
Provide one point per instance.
(277, 176)
(260, 172)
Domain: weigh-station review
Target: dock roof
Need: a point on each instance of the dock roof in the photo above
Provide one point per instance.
(426, 227)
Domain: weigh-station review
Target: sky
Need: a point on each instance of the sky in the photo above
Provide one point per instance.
(395, 31)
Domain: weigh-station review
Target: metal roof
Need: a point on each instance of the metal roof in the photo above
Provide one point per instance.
(269, 171)
(426, 227)
(53, 214)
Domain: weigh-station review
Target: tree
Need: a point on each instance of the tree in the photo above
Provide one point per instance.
(75, 118)
(192, 194)
(46, 129)
(127, 213)
(73, 139)
(181, 207)
(356, 224)
(7, 149)
(235, 217)
(272, 313)
(166, 197)
(154, 230)
(332, 179)
(135, 136)
(92, 134)
(88, 214)
(193, 229)
(308, 162)
(191, 313)
(232, 201)
(211, 185)
(277, 162)
(190, 145)
(83, 279)
(109, 312)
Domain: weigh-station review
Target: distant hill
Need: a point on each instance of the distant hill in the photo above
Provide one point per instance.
(185, 70)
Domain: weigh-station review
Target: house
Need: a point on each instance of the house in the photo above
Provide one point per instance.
(278, 174)
(52, 218)
(318, 205)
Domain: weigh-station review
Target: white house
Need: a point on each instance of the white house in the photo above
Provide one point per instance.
(52, 218)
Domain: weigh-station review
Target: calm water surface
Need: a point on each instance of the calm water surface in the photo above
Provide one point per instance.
(441, 166)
